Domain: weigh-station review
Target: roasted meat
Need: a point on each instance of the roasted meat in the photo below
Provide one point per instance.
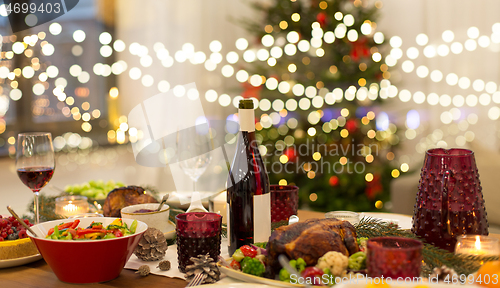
(125, 196)
(310, 240)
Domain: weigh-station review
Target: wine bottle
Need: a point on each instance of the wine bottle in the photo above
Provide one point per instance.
(248, 190)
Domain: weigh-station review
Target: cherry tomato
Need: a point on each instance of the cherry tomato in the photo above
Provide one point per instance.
(314, 273)
(235, 265)
(248, 251)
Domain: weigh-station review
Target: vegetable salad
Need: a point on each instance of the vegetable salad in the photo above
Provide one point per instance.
(96, 230)
(251, 259)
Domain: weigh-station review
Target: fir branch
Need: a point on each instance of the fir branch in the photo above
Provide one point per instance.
(153, 191)
(47, 208)
(433, 257)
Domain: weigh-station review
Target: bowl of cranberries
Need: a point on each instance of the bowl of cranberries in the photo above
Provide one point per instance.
(11, 229)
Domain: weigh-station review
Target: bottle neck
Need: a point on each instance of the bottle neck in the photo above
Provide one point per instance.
(247, 120)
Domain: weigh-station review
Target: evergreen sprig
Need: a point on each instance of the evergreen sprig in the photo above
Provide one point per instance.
(432, 256)
(47, 208)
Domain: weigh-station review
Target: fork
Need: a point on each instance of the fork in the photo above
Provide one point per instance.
(197, 280)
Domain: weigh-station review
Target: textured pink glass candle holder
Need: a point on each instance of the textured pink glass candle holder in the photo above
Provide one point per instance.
(284, 202)
(394, 257)
(198, 233)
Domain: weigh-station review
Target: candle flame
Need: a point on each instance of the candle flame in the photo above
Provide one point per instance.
(478, 243)
(70, 208)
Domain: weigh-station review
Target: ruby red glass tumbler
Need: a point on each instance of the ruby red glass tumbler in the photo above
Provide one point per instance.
(394, 257)
(198, 233)
(284, 202)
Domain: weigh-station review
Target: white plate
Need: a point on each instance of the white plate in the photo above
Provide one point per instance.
(19, 261)
(362, 284)
(182, 199)
(252, 278)
(238, 285)
(404, 221)
(170, 234)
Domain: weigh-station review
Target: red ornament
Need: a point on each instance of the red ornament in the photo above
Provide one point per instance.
(250, 91)
(334, 181)
(351, 125)
(291, 154)
(374, 187)
(360, 49)
(322, 19)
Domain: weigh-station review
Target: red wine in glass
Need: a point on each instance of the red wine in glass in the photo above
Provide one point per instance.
(35, 177)
(35, 162)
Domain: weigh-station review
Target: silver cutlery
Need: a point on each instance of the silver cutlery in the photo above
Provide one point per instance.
(21, 221)
(197, 280)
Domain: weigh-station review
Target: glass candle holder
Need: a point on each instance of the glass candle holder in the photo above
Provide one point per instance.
(350, 216)
(71, 205)
(284, 202)
(477, 245)
(217, 203)
(198, 233)
(394, 257)
(86, 215)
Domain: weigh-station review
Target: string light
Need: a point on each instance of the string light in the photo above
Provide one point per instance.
(188, 53)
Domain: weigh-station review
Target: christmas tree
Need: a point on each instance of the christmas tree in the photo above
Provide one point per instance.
(321, 77)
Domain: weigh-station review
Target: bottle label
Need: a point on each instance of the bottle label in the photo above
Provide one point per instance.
(247, 120)
(261, 217)
(228, 222)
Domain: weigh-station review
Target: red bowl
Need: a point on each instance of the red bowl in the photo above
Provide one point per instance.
(86, 261)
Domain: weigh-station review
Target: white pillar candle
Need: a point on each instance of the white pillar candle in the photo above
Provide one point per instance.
(220, 205)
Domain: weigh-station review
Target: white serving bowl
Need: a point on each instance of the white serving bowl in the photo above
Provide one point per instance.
(158, 220)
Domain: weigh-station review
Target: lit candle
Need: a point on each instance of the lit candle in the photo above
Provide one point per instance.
(477, 245)
(71, 205)
(219, 205)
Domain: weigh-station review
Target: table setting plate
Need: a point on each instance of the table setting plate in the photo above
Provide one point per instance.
(235, 274)
(238, 285)
(422, 284)
(19, 261)
(170, 234)
(403, 221)
(182, 199)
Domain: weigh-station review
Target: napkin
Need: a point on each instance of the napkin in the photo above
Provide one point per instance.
(134, 263)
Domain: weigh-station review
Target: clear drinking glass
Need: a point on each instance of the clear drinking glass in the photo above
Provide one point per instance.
(193, 148)
(350, 216)
(35, 162)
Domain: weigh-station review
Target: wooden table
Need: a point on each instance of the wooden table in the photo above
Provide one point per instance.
(39, 274)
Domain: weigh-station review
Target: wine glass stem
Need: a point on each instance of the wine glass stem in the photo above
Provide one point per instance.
(36, 209)
(194, 185)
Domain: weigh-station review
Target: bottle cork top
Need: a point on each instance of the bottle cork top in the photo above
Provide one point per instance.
(246, 104)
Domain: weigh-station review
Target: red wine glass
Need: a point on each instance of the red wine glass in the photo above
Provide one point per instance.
(35, 162)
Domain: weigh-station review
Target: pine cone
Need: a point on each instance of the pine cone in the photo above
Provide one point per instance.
(164, 265)
(143, 270)
(205, 265)
(152, 246)
(442, 272)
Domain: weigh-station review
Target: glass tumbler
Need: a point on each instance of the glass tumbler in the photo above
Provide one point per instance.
(394, 257)
(351, 217)
(284, 202)
(198, 233)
